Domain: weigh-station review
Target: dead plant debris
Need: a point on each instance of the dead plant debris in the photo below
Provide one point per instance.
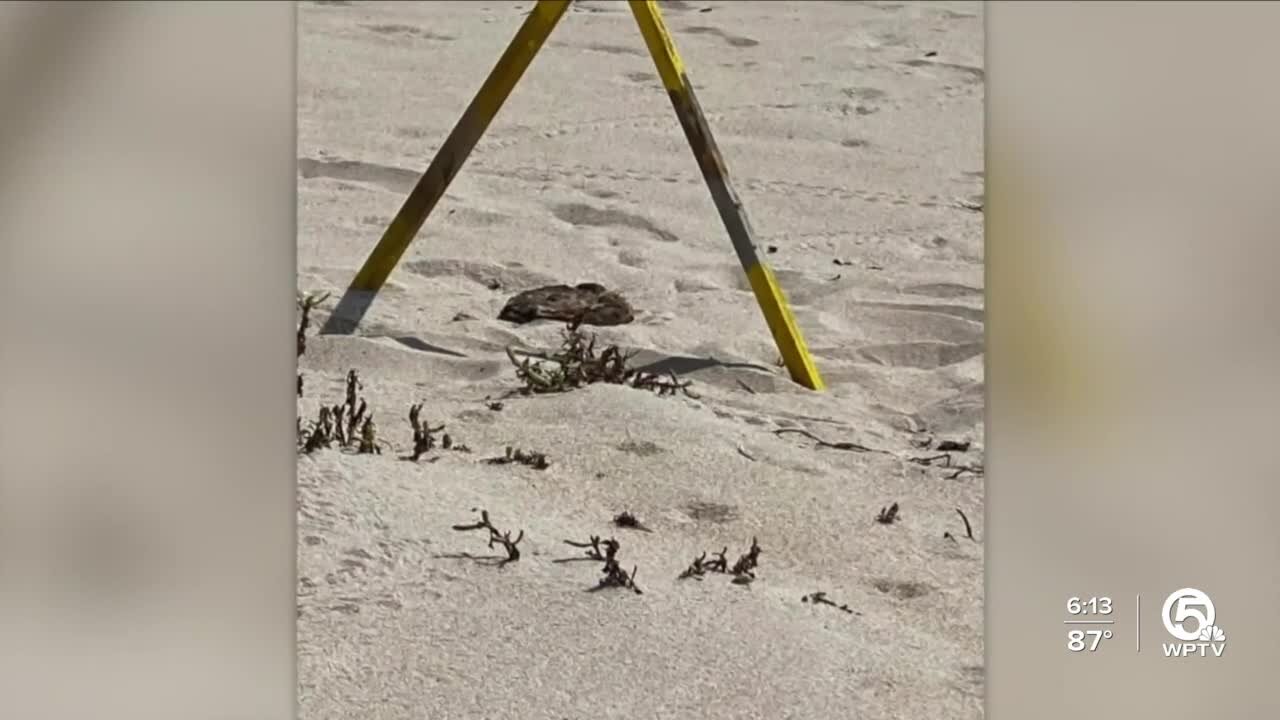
(606, 551)
(496, 536)
(850, 446)
(350, 425)
(924, 442)
(320, 434)
(424, 436)
(968, 529)
(368, 443)
(820, 598)
(701, 566)
(743, 571)
(888, 515)
(577, 364)
(625, 519)
(535, 460)
(944, 460)
(305, 306)
(976, 470)
(930, 460)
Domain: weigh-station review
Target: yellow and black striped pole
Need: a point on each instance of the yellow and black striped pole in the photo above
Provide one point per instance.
(445, 165)
(475, 120)
(786, 334)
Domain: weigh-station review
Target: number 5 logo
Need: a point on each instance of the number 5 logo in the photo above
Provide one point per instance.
(1184, 605)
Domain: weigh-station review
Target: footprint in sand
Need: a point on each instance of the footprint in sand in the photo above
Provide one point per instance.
(398, 180)
(711, 512)
(583, 215)
(407, 31)
(733, 40)
(633, 259)
(920, 355)
(902, 590)
(695, 284)
(493, 276)
(970, 73)
(943, 290)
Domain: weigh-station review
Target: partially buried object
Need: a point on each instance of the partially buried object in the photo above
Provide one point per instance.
(587, 304)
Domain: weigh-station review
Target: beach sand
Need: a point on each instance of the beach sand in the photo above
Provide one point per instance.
(853, 135)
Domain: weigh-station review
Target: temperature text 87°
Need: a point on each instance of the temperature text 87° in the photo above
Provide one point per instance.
(1078, 640)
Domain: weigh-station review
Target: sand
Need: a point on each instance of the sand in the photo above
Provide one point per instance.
(853, 133)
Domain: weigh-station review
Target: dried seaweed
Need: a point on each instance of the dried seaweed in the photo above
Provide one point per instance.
(820, 598)
(350, 425)
(368, 443)
(496, 536)
(577, 364)
(625, 519)
(305, 306)
(968, 529)
(743, 571)
(535, 460)
(842, 445)
(606, 551)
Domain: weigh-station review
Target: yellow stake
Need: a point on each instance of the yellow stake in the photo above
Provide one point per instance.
(475, 120)
(786, 334)
(446, 164)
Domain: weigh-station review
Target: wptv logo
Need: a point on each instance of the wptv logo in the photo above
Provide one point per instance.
(1189, 615)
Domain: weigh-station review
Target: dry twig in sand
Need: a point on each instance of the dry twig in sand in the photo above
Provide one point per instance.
(502, 538)
(424, 436)
(354, 386)
(968, 529)
(820, 598)
(320, 434)
(577, 364)
(743, 571)
(357, 413)
(978, 470)
(946, 447)
(535, 460)
(928, 461)
(701, 566)
(614, 575)
(853, 447)
(350, 425)
(945, 461)
(926, 441)
(356, 418)
(888, 515)
(369, 442)
(305, 306)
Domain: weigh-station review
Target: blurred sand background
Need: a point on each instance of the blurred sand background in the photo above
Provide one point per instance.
(853, 133)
